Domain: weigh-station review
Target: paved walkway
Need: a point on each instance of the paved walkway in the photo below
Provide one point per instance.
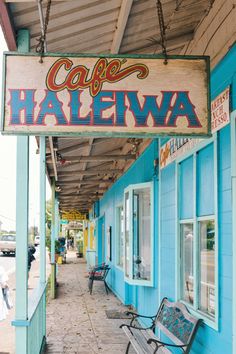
(77, 321)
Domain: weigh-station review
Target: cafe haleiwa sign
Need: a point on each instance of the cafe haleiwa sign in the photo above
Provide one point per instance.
(106, 96)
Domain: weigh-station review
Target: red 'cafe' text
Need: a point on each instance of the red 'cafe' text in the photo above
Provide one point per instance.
(103, 71)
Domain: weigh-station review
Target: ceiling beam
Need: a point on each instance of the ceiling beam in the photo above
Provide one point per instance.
(53, 157)
(87, 172)
(121, 25)
(97, 158)
(73, 164)
(7, 28)
(88, 182)
(82, 190)
(33, 1)
(76, 189)
(85, 200)
(73, 148)
(87, 194)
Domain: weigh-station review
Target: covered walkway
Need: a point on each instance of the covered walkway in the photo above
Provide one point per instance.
(78, 322)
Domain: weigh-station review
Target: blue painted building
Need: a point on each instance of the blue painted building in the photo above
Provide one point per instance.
(167, 227)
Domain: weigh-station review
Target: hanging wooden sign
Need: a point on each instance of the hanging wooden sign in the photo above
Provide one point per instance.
(73, 215)
(106, 96)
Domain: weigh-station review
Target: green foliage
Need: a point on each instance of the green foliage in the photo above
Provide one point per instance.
(57, 245)
(80, 246)
(49, 213)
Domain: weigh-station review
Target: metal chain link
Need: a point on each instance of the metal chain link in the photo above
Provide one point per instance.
(162, 29)
(40, 48)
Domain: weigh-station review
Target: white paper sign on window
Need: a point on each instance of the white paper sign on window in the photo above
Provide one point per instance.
(220, 111)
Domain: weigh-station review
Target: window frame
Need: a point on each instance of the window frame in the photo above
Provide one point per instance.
(118, 234)
(129, 279)
(181, 275)
(213, 323)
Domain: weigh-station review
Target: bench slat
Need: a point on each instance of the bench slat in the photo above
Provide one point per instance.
(138, 339)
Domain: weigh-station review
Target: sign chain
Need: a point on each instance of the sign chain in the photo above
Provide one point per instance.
(41, 46)
(162, 29)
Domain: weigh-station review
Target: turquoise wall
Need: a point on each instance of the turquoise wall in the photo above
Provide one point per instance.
(141, 171)
(145, 299)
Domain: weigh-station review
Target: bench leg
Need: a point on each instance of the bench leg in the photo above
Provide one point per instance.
(91, 286)
(127, 349)
(106, 287)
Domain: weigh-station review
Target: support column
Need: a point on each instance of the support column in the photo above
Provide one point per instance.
(22, 205)
(43, 223)
(42, 210)
(53, 263)
(57, 220)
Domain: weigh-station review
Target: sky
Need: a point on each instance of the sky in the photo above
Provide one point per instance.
(8, 173)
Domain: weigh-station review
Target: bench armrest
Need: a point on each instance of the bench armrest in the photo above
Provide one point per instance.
(99, 269)
(136, 315)
(159, 344)
(135, 327)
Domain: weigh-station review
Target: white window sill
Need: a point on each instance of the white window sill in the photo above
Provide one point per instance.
(213, 323)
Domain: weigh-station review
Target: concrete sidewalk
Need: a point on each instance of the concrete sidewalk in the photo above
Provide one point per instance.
(77, 321)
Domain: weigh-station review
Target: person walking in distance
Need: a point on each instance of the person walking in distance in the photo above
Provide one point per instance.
(3, 286)
(31, 258)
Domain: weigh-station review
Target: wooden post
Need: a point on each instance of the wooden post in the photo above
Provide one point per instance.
(42, 210)
(22, 205)
(53, 264)
(57, 219)
(43, 223)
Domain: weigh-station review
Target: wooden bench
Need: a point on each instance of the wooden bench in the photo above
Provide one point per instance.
(174, 321)
(98, 273)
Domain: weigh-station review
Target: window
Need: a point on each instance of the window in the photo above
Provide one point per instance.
(197, 228)
(207, 267)
(127, 234)
(198, 290)
(138, 234)
(187, 262)
(8, 238)
(120, 236)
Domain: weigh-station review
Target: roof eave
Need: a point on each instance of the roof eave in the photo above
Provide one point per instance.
(7, 27)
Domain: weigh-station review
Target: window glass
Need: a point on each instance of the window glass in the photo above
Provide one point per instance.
(187, 262)
(207, 267)
(186, 189)
(127, 233)
(141, 233)
(9, 238)
(120, 236)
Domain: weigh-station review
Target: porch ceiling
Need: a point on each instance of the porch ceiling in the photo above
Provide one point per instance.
(84, 168)
(110, 26)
